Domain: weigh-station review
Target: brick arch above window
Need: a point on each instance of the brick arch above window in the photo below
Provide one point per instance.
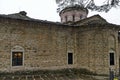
(17, 48)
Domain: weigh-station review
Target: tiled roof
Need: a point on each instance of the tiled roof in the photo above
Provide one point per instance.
(19, 16)
(23, 16)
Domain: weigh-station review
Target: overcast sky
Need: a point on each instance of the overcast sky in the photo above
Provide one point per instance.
(46, 10)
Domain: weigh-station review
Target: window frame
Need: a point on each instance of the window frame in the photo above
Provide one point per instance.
(17, 49)
(17, 60)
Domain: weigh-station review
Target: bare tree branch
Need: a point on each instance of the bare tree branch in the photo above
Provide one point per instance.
(90, 4)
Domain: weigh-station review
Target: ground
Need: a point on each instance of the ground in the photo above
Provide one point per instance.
(65, 74)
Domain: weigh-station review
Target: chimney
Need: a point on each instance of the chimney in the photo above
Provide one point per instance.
(23, 13)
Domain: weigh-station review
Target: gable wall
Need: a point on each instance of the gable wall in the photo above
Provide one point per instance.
(93, 48)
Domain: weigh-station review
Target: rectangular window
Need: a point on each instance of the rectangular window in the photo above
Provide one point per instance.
(70, 58)
(112, 62)
(17, 58)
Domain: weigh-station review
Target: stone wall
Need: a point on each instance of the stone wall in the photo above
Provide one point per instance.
(46, 45)
(94, 47)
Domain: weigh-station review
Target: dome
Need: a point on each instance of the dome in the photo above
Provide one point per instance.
(73, 14)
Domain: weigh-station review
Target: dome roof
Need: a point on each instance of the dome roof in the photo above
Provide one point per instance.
(73, 14)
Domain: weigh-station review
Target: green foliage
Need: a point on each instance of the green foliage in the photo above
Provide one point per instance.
(61, 71)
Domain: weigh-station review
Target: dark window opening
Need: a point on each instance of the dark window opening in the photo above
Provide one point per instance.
(73, 17)
(70, 58)
(112, 62)
(119, 35)
(17, 58)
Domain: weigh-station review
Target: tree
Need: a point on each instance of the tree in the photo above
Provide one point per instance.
(90, 4)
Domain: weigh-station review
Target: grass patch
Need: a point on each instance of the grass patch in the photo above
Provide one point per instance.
(61, 71)
(71, 74)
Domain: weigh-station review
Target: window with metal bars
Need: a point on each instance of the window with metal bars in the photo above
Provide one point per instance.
(17, 58)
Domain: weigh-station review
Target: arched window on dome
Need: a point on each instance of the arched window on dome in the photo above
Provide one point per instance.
(73, 16)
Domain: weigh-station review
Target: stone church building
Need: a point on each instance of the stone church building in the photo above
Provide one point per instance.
(75, 42)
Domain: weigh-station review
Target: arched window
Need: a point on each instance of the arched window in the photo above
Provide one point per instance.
(17, 56)
(66, 18)
(111, 42)
(73, 16)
